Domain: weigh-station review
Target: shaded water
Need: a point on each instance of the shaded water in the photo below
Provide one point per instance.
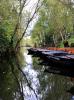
(27, 81)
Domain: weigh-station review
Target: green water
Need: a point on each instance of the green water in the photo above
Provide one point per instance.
(26, 80)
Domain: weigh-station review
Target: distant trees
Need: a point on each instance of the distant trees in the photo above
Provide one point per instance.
(55, 22)
(70, 5)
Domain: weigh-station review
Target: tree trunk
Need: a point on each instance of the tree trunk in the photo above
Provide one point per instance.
(61, 36)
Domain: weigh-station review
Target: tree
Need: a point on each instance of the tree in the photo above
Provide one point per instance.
(28, 20)
(70, 5)
(56, 21)
(12, 15)
(7, 24)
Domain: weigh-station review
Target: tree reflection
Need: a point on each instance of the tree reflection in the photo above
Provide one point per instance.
(13, 81)
(52, 87)
(10, 79)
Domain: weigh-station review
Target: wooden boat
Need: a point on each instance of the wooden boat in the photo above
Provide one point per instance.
(58, 59)
(66, 49)
(37, 51)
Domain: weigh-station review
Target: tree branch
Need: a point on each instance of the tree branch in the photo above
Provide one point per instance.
(17, 24)
(36, 10)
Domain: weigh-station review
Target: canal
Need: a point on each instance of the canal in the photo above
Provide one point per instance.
(25, 79)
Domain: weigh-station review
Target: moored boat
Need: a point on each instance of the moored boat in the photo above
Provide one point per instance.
(57, 59)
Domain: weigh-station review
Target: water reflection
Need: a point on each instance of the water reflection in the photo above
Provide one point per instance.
(71, 91)
(52, 87)
(31, 75)
(8, 87)
(28, 81)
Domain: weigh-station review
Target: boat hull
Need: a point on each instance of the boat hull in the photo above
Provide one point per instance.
(60, 62)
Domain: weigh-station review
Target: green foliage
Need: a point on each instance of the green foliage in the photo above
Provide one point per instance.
(55, 18)
(7, 23)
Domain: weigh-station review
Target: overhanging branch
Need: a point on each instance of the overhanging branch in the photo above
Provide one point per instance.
(17, 24)
(36, 10)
